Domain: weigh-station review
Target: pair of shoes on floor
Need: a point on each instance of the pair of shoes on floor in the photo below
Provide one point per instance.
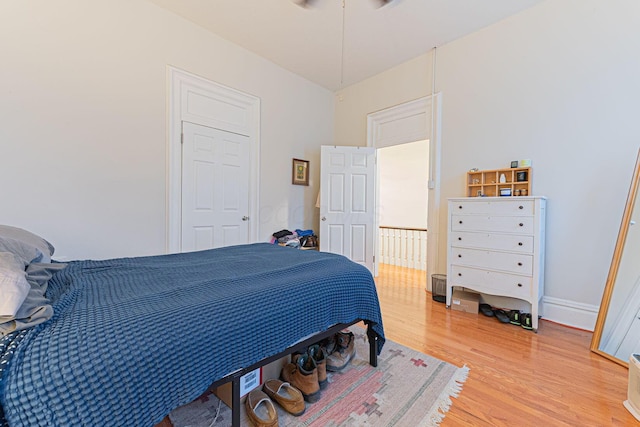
(498, 313)
(340, 349)
(520, 319)
(259, 404)
(515, 317)
(307, 372)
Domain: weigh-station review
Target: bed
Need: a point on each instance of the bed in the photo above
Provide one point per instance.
(131, 339)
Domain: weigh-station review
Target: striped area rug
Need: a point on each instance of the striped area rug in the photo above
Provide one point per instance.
(407, 389)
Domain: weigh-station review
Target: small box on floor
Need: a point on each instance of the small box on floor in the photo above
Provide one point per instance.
(250, 380)
(465, 301)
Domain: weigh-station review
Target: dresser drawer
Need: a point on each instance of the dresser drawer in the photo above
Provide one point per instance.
(509, 207)
(506, 224)
(514, 263)
(505, 242)
(492, 282)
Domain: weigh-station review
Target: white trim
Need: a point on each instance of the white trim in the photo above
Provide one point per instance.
(375, 138)
(181, 83)
(377, 120)
(570, 313)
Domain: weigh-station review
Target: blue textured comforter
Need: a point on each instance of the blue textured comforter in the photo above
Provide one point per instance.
(132, 339)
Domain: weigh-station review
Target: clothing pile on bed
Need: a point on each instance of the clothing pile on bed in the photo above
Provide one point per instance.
(295, 239)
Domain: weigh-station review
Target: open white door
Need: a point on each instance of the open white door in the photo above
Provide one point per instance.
(347, 202)
(215, 188)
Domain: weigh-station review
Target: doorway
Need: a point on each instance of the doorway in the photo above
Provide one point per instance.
(402, 215)
(405, 123)
(204, 103)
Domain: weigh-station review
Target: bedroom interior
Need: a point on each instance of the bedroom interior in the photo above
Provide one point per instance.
(84, 131)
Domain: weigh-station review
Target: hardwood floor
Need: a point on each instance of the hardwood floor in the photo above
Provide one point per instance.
(517, 377)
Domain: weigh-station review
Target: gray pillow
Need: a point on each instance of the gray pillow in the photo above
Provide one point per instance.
(34, 310)
(39, 273)
(14, 287)
(30, 256)
(26, 245)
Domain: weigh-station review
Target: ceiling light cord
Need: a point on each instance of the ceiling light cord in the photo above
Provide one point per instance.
(433, 71)
(342, 46)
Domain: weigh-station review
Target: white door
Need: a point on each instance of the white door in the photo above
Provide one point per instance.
(347, 183)
(215, 188)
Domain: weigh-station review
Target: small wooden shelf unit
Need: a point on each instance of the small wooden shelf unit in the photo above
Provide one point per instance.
(487, 182)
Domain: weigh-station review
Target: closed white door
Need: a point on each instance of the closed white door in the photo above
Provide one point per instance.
(215, 188)
(347, 182)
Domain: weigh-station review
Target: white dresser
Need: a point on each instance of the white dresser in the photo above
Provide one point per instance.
(496, 246)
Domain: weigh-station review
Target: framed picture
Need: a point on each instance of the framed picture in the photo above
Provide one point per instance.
(300, 174)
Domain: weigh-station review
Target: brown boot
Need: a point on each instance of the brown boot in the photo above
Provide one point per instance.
(344, 352)
(302, 373)
(328, 344)
(317, 354)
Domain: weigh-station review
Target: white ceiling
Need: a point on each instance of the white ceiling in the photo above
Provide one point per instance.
(308, 41)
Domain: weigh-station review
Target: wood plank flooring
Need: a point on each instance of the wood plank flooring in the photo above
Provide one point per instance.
(517, 377)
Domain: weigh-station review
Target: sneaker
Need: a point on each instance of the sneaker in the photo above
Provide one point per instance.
(525, 321)
(302, 373)
(514, 317)
(317, 354)
(344, 352)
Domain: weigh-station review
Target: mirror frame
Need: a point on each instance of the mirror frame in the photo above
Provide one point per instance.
(615, 264)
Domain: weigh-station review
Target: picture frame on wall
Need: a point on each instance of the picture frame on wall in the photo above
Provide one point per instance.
(300, 172)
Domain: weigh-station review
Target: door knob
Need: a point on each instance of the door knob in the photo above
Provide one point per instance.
(324, 218)
(245, 218)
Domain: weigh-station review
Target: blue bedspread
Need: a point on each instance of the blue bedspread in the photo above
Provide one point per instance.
(132, 339)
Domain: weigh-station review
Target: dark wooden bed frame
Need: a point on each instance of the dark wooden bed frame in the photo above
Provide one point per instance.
(234, 378)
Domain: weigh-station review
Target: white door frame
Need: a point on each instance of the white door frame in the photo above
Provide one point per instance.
(408, 122)
(204, 102)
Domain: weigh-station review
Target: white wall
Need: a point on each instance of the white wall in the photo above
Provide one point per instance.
(406, 82)
(403, 172)
(558, 84)
(83, 151)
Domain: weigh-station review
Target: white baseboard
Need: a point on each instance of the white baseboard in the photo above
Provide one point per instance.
(570, 313)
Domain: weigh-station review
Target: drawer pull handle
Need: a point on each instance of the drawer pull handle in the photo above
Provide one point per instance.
(459, 256)
(459, 238)
(460, 207)
(520, 207)
(459, 222)
(521, 225)
(519, 285)
(520, 264)
(519, 243)
(459, 274)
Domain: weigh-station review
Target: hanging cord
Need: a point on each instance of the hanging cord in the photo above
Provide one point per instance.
(433, 164)
(342, 47)
(433, 117)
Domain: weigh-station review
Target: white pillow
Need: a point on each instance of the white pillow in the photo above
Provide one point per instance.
(14, 287)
